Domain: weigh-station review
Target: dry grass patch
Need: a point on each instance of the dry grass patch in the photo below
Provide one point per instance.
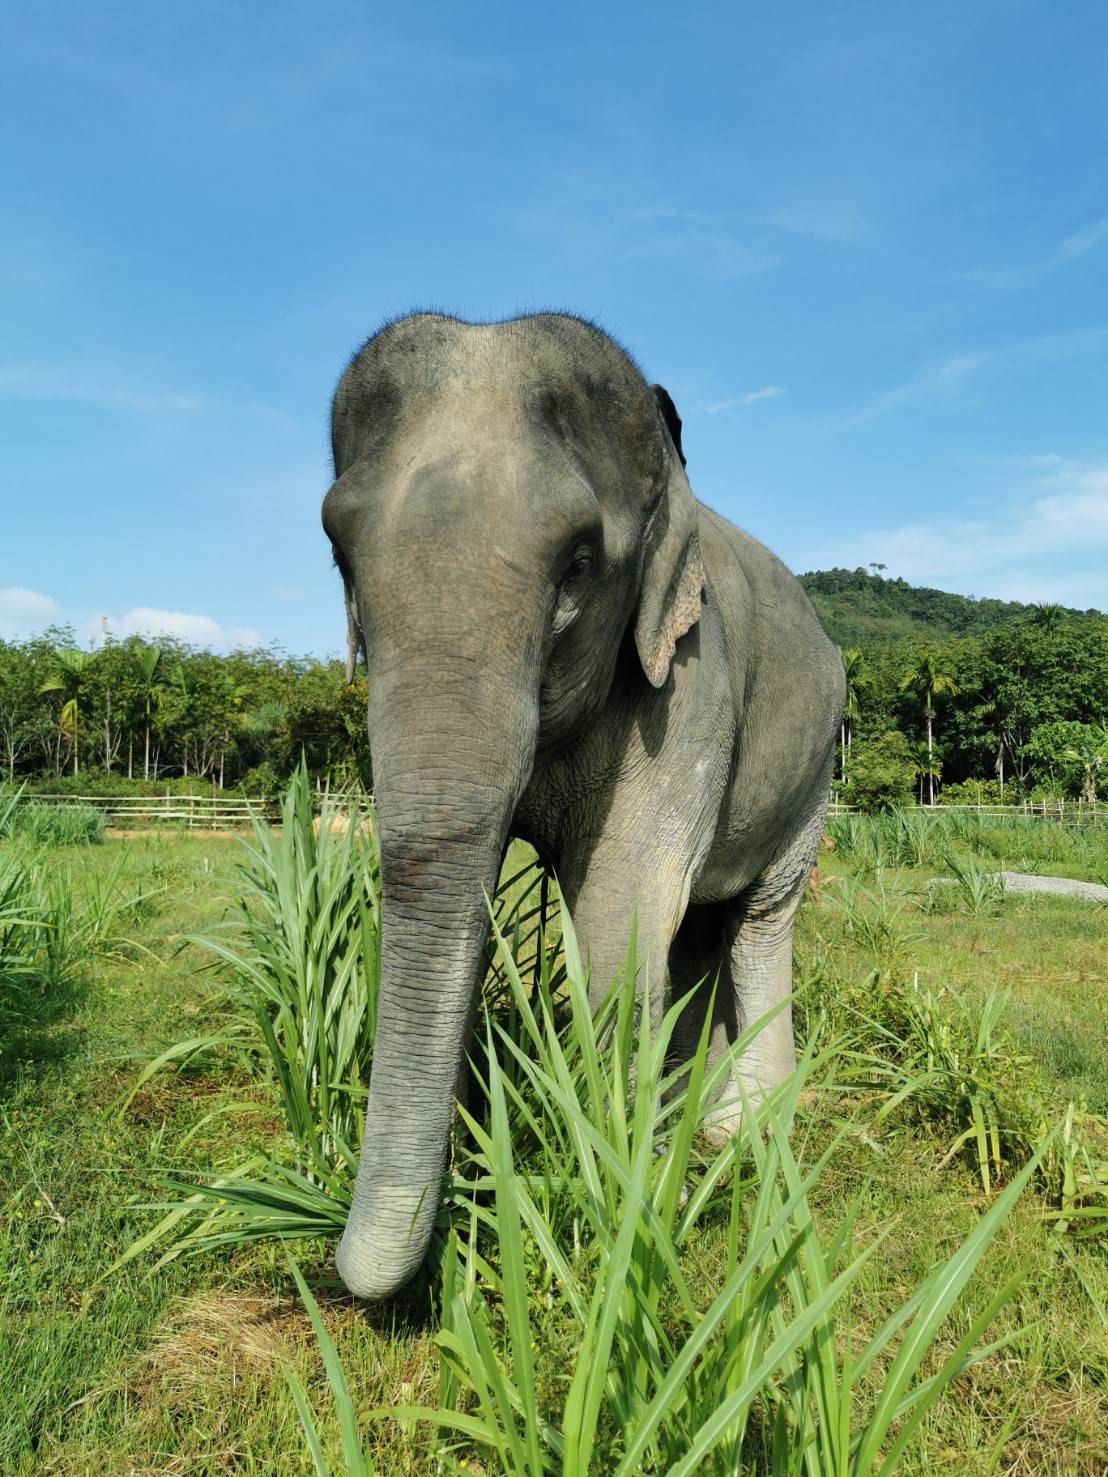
(220, 1332)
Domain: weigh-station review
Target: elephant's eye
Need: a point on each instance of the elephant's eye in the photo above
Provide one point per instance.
(580, 565)
(572, 585)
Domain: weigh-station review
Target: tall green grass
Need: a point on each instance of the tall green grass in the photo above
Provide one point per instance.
(929, 1055)
(597, 1207)
(52, 932)
(299, 957)
(935, 1055)
(41, 824)
(919, 839)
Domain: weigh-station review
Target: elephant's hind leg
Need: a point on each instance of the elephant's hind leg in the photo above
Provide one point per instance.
(760, 958)
(760, 969)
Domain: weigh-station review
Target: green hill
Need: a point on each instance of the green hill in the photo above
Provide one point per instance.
(858, 608)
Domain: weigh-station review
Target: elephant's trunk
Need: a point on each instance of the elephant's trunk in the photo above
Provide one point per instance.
(448, 770)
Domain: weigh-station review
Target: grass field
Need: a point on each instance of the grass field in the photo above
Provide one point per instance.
(182, 1369)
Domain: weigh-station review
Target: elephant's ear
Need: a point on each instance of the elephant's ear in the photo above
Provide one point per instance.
(673, 575)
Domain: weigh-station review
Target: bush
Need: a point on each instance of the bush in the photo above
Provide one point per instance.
(881, 774)
(50, 934)
(938, 1057)
(981, 792)
(98, 782)
(262, 782)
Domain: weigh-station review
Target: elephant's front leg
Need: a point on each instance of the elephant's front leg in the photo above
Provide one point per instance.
(608, 892)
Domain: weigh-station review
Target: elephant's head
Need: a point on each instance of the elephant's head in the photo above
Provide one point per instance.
(510, 501)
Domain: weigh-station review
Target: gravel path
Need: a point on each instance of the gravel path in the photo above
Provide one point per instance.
(1060, 886)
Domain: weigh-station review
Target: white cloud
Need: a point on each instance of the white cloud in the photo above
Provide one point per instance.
(26, 605)
(23, 611)
(715, 252)
(1044, 539)
(581, 217)
(1088, 238)
(37, 384)
(718, 407)
(944, 376)
(827, 223)
(198, 630)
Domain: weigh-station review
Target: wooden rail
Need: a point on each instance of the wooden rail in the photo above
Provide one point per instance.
(204, 812)
(1062, 812)
(216, 811)
(191, 810)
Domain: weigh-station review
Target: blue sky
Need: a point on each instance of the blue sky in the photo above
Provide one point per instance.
(865, 246)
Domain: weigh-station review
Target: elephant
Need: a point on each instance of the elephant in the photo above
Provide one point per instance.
(562, 645)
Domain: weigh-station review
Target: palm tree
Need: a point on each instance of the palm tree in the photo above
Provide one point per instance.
(858, 685)
(928, 767)
(1048, 614)
(151, 684)
(184, 685)
(927, 684)
(1090, 750)
(262, 722)
(66, 677)
(993, 712)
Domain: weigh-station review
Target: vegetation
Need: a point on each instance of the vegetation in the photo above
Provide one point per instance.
(972, 692)
(52, 825)
(51, 933)
(1079, 750)
(859, 607)
(607, 1285)
(132, 717)
(926, 683)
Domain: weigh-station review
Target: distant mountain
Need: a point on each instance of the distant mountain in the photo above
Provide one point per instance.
(858, 608)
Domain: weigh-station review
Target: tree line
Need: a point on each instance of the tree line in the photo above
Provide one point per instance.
(137, 713)
(1006, 712)
(1016, 711)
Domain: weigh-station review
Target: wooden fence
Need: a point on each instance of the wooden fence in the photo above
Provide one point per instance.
(204, 812)
(218, 812)
(1061, 812)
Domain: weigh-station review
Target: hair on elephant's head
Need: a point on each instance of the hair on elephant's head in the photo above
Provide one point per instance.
(510, 502)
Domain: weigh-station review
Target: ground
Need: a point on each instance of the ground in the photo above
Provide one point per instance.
(180, 1372)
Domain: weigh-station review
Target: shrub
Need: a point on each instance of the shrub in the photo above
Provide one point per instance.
(981, 792)
(978, 890)
(98, 782)
(50, 935)
(933, 1055)
(882, 776)
(262, 782)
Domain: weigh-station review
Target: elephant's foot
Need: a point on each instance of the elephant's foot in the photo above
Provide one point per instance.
(725, 1119)
(722, 1124)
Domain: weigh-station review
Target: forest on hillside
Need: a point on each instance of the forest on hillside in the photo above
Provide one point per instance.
(947, 698)
(860, 606)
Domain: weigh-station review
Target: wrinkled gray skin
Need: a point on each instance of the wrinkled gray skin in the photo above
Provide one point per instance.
(562, 644)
